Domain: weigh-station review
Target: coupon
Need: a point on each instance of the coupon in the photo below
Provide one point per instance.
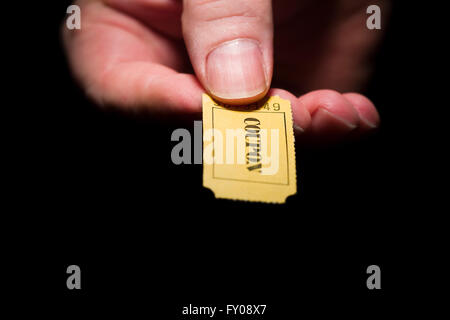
(248, 151)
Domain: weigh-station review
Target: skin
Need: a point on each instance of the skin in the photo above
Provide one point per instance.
(151, 55)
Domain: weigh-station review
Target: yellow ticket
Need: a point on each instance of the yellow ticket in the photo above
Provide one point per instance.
(248, 151)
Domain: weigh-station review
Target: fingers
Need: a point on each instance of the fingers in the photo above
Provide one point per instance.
(149, 87)
(334, 115)
(120, 62)
(324, 116)
(368, 114)
(230, 47)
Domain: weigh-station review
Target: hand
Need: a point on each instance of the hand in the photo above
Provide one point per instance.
(136, 54)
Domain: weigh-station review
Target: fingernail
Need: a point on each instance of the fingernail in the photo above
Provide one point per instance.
(298, 128)
(371, 119)
(235, 70)
(322, 112)
(370, 124)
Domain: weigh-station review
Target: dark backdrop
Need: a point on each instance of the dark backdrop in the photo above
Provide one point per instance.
(98, 189)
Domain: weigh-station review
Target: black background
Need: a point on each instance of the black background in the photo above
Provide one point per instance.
(98, 189)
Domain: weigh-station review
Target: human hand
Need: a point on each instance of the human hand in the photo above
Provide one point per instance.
(143, 54)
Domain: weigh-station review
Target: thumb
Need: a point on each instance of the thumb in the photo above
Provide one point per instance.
(230, 47)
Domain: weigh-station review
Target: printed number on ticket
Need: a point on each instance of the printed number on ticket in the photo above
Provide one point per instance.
(248, 151)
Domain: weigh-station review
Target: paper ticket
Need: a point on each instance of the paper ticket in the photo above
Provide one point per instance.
(248, 151)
